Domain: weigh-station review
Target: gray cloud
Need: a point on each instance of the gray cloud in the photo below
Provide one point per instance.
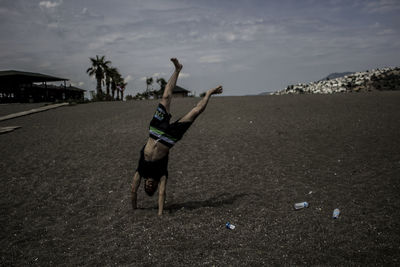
(248, 46)
(382, 6)
(49, 4)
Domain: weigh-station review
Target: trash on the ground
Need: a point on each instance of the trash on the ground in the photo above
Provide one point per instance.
(301, 205)
(8, 129)
(336, 213)
(230, 226)
(35, 110)
(310, 192)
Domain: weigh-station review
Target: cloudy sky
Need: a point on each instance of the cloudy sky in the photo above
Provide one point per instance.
(248, 46)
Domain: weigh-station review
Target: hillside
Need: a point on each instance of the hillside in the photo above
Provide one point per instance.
(337, 75)
(377, 79)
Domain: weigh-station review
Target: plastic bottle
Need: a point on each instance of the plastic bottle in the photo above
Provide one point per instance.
(336, 213)
(230, 226)
(301, 205)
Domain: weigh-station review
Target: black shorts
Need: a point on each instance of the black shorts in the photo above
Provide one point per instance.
(152, 169)
(160, 129)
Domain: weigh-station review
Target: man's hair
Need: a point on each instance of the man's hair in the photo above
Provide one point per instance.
(150, 188)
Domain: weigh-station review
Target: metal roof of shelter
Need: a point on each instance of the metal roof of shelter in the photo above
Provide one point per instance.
(13, 76)
(61, 87)
(179, 89)
(73, 88)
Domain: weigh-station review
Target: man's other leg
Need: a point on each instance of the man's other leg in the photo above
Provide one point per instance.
(167, 95)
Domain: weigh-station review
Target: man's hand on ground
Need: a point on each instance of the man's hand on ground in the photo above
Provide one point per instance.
(134, 201)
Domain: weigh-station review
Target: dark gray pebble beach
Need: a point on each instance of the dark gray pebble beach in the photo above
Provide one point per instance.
(66, 175)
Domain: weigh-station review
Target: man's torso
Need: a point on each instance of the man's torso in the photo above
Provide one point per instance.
(155, 150)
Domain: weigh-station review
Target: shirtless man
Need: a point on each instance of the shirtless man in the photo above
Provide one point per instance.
(153, 162)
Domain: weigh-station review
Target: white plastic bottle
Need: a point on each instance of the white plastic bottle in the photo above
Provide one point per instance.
(336, 213)
(301, 205)
(230, 226)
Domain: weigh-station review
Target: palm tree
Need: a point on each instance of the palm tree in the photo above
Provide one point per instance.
(122, 85)
(97, 70)
(108, 77)
(149, 81)
(162, 82)
(115, 78)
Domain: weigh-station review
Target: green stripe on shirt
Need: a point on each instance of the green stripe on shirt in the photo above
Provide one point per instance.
(163, 133)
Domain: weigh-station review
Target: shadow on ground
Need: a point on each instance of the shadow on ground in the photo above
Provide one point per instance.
(217, 201)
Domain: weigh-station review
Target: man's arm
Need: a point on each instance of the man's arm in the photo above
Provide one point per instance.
(135, 186)
(201, 106)
(162, 194)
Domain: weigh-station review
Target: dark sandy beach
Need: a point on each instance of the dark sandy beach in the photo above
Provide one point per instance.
(66, 174)
(6, 109)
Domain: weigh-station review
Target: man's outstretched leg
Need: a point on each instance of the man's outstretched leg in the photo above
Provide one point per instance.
(201, 106)
(167, 95)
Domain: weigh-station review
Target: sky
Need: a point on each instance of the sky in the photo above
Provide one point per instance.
(249, 46)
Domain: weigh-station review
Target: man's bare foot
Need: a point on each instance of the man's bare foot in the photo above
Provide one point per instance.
(178, 66)
(216, 90)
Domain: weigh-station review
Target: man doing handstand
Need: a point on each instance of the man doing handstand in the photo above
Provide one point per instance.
(153, 162)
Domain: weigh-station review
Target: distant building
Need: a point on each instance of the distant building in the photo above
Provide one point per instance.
(180, 92)
(19, 86)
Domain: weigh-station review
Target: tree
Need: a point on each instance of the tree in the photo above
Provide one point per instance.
(162, 83)
(149, 81)
(121, 88)
(129, 97)
(108, 77)
(98, 69)
(115, 77)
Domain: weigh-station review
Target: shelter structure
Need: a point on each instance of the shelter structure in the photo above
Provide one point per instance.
(180, 92)
(19, 86)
